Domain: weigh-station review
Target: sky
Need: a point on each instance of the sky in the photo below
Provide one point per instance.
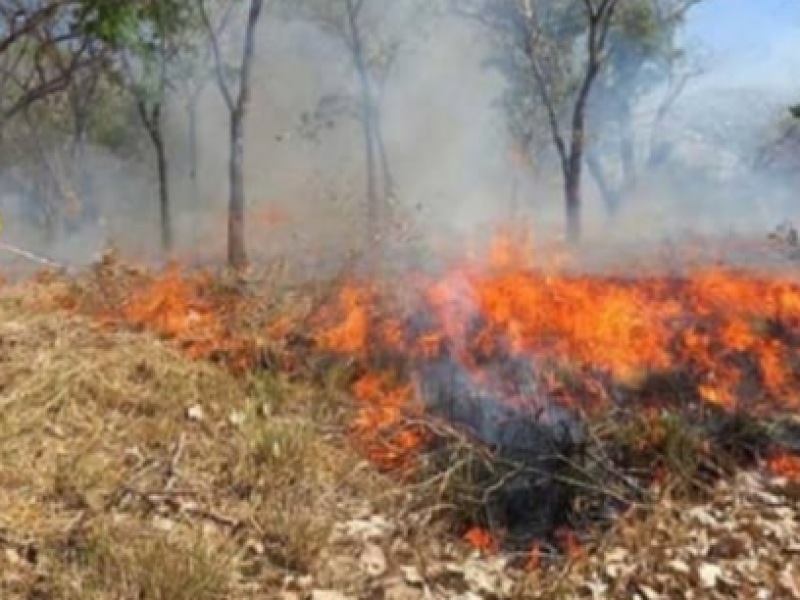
(752, 42)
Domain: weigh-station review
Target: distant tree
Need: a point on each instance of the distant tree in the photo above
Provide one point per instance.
(190, 78)
(646, 66)
(33, 31)
(237, 101)
(372, 34)
(538, 43)
(148, 38)
(45, 50)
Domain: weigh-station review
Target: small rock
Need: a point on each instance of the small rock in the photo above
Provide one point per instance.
(195, 413)
(163, 524)
(375, 528)
(237, 418)
(373, 560)
(708, 575)
(617, 555)
(411, 575)
(13, 557)
(487, 577)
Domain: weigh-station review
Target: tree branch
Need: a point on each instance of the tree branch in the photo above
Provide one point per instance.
(215, 49)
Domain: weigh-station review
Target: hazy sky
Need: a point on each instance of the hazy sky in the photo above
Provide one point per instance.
(753, 41)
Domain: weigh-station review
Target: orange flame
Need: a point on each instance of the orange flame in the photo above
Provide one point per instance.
(723, 329)
(785, 465)
(481, 539)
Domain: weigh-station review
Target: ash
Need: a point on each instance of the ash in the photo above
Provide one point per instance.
(532, 440)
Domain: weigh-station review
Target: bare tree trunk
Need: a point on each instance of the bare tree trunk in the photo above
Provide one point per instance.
(612, 197)
(374, 225)
(192, 109)
(152, 122)
(237, 249)
(572, 196)
(386, 170)
(599, 17)
(237, 252)
(46, 182)
(373, 211)
(573, 174)
(164, 204)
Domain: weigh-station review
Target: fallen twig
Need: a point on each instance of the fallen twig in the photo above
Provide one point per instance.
(31, 256)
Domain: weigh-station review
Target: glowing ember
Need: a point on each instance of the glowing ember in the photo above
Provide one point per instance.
(481, 539)
(785, 465)
(534, 559)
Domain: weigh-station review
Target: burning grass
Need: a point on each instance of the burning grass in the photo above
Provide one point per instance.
(225, 428)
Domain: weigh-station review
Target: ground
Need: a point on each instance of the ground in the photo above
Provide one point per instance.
(133, 469)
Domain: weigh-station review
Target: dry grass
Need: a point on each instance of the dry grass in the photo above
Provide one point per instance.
(127, 471)
(130, 471)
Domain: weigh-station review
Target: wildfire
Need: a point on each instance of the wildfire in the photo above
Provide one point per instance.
(731, 335)
(173, 307)
(500, 337)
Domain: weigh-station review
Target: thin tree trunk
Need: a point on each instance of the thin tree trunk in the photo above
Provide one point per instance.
(368, 127)
(373, 211)
(163, 195)
(237, 253)
(572, 196)
(386, 170)
(152, 122)
(50, 210)
(192, 106)
(612, 198)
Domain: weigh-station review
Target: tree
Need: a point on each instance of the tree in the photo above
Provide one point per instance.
(191, 77)
(237, 103)
(44, 50)
(147, 38)
(538, 42)
(373, 35)
(646, 65)
(36, 30)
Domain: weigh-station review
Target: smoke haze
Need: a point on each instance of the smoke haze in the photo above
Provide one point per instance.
(448, 149)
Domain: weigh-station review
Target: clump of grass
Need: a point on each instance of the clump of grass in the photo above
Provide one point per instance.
(285, 447)
(125, 563)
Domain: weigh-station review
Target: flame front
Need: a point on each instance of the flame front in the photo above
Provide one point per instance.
(732, 334)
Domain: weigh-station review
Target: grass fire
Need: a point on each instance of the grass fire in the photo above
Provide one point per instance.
(399, 300)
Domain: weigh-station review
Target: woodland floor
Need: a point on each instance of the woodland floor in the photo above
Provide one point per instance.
(130, 471)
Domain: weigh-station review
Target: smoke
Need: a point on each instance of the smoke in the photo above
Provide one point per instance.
(448, 149)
